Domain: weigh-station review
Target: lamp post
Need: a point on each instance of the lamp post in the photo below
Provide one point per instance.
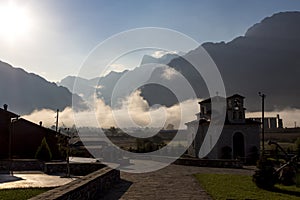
(68, 153)
(56, 123)
(263, 96)
(11, 132)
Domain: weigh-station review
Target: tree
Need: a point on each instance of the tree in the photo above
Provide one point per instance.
(114, 131)
(297, 143)
(43, 152)
(170, 127)
(64, 148)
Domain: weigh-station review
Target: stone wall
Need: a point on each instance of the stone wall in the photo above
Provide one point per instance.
(92, 186)
(209, 163)
(78, 169)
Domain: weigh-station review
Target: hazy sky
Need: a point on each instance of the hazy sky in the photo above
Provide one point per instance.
(60, 34)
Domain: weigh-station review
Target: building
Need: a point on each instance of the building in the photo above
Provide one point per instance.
(20, 138)
(5, 119)
(239, 137)
(270, 122)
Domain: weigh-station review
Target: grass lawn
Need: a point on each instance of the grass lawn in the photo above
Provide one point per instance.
(21, 193)
(229, 186)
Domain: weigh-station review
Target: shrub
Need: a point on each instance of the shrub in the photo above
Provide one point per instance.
(288, 176)
(43, 152)
(297, 143)
(265, 177)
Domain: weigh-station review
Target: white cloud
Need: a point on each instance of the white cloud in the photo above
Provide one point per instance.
(169, 73)
(48, 117)
(159, 54)
(117, 67)
(99, 87)
(134, 111)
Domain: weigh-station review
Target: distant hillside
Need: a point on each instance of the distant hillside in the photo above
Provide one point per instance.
(266, 58)
(25, 92)
(103, 86)
(86, 88)
(165, 59)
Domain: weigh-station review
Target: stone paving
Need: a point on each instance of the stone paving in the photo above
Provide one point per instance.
(31, 179)
(172, 182)
(25, 179)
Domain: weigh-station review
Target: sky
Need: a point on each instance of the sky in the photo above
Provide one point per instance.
(52, 38)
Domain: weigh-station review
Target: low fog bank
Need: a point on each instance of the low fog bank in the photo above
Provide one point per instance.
(135, 112)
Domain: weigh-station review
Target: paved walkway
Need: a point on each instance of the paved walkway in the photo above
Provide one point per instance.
(24, 179)
(172, 182)
(31, 179)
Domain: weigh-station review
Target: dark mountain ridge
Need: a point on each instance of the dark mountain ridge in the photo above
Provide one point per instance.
(25, 92)
(266, 59)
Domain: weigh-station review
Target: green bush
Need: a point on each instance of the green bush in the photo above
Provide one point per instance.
(43, 152)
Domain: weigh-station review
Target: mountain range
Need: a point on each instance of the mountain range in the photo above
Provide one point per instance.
(25, 92)
(266, 59)
(103, 86)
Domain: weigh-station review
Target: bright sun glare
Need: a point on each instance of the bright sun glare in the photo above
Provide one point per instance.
(15, 22)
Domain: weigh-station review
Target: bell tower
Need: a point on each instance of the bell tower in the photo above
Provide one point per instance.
(235, 109)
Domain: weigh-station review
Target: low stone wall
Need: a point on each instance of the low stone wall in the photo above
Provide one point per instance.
(220, 163)
(91, 186)
(209, 163)
(78, 169)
